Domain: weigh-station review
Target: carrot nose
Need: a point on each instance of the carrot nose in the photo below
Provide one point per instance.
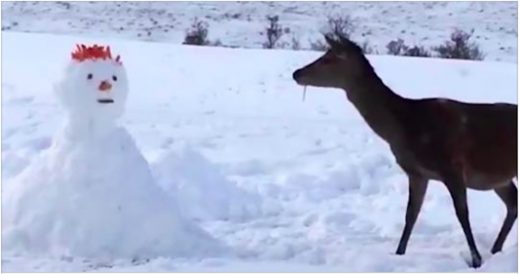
(105, 86)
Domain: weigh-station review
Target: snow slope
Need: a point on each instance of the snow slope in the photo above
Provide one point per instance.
(324, 192)
(242, 24)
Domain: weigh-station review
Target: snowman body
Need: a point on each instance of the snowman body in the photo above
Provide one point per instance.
(92, 194)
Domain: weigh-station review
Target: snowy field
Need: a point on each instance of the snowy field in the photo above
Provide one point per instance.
(285, 185)
(242, 24)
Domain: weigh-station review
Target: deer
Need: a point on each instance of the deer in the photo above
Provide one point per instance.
(463, 145)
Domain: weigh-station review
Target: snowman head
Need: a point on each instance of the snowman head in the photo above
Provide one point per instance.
(94, 85)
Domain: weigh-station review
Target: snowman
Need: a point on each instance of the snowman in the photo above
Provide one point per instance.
(92, 194)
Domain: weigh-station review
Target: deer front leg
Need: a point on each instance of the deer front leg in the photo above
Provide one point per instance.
(457, 189)
(508, 194)
(416, 190)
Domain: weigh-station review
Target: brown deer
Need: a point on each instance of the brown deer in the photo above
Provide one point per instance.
(461, 144)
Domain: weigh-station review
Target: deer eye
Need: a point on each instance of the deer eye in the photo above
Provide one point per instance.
(89, 76)
(114, 78)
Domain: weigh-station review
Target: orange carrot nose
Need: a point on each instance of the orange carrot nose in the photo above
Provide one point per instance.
(105, 86)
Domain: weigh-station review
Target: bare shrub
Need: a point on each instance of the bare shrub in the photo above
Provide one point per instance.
(340, 26)
(217, 43)
(197, 34)
(337, 26)
(295, 43)
(398, 47)
(417, 51)
(64, 4)
(459, 47)
(368, 49)
(273, 32)
(318, 45)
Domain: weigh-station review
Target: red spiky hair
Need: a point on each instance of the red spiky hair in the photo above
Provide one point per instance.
(94, 52)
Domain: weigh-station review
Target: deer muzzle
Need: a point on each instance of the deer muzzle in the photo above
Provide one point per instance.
(298, 77)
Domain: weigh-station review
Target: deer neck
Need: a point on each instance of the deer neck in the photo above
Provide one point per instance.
(377, 104)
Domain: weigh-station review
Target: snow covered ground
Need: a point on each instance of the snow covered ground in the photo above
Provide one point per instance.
(242, 24)
(286, 185)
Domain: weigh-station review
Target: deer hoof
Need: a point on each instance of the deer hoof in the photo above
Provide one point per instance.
(400, 251)
(476, 261)
(495, 250)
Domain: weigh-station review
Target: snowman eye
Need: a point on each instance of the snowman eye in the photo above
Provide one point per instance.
(114, 77)
(89, 76)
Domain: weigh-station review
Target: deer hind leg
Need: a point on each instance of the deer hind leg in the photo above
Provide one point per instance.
(457, 189)
(508, 195)
(416, 191)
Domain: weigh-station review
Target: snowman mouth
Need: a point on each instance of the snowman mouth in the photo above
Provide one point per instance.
(105, 101)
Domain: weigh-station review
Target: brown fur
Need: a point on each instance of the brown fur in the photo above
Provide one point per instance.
(461, 144)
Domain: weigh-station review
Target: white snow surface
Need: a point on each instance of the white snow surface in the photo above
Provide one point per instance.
(285, 185)
(243, 24)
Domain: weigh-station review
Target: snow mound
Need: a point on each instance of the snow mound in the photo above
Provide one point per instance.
(200, 188)
(96, 197)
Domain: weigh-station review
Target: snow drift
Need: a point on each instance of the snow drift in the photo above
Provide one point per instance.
(201, 190)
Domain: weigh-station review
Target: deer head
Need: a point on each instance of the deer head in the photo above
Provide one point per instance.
(341, 66)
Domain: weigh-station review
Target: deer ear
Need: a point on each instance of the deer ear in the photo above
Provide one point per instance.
(340, 54)
(349, 44)
(334, 45)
